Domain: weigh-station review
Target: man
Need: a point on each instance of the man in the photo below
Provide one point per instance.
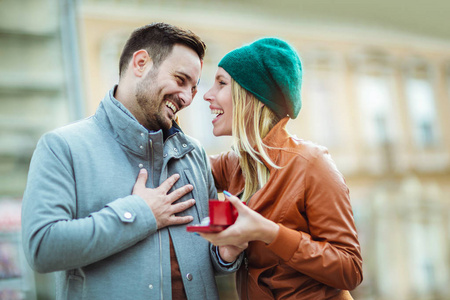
(84, 215)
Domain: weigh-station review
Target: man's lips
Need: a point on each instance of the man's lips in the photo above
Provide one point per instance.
(171, 106)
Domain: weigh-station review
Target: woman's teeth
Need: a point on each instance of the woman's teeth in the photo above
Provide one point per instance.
(171, 106)
(216, 111)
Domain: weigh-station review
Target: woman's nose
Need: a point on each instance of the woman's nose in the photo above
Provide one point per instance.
(207, 96)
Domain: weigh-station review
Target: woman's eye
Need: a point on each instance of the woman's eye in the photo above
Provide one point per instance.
(222, 83)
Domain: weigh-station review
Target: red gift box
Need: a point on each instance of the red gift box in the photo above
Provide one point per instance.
(221, 215)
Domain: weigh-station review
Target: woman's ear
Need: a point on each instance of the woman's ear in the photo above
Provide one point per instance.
(141, 62)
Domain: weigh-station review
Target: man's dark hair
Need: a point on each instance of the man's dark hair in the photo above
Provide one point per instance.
(158, 40)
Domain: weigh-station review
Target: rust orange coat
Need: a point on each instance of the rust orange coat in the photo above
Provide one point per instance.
(316, 254)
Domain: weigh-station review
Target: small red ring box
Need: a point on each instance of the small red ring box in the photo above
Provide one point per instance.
(221, 215)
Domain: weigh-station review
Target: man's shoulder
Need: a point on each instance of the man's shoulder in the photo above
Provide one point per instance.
(193, 141)
(181, 138)
(80, 129)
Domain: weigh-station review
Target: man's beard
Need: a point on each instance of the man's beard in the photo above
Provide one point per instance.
(147, 98)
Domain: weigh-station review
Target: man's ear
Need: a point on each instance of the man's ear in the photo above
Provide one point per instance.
(140, 62)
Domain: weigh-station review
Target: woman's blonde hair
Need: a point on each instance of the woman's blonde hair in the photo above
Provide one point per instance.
(251, 122)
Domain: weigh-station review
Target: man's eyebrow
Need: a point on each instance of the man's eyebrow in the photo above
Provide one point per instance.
(189, 78)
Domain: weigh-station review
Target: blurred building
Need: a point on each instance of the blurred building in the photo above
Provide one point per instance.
(377, 94)
(40, 89)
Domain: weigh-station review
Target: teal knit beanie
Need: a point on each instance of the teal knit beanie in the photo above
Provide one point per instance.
(271, 70)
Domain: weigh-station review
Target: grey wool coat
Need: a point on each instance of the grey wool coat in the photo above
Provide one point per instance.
(80, 220)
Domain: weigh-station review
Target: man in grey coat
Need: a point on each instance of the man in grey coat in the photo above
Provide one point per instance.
(85, 215)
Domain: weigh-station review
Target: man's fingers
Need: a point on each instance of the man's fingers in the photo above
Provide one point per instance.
(141, 179)
(174, 220)
(168, 183)
(180, 192)
(179, 207)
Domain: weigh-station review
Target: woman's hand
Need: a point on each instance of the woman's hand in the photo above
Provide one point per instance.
(249, 226)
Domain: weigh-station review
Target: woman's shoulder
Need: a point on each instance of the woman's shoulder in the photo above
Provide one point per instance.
(311, 156)
(302, 149)
(227, 158)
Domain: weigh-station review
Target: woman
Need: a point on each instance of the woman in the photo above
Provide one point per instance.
(297, 221)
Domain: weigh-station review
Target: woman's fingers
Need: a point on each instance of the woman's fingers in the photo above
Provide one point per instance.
(237, 203)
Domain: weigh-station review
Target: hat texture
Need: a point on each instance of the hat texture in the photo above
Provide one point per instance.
(271, 70)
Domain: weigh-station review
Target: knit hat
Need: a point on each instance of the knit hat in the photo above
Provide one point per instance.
(271, 70)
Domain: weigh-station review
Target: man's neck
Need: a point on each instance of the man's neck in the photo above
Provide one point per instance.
(122, 95)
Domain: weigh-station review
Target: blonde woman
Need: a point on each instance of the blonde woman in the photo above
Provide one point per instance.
(297, 219)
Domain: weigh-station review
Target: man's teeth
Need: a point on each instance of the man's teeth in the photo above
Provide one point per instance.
(216, 111)
(171, 106)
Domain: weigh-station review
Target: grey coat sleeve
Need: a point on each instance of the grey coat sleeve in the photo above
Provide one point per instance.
(53, 237)
(219, 268)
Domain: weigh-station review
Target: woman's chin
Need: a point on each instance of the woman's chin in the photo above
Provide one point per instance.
(221, 130)
(217, 132)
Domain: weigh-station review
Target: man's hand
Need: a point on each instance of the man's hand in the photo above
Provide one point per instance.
(229, 253)
(161, 203)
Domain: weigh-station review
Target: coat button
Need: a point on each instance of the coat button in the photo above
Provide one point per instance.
(127, 215)
(184, 145)
(141, 166)
(142, 134)
(142, 147)
(150, 286)
(175, 149)
(189, 276)
(165, 155)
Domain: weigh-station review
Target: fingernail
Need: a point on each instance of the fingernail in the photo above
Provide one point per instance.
(227, 193)
(142, 170)
(196, 233)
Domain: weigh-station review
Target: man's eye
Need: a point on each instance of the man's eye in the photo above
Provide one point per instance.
(181, 80)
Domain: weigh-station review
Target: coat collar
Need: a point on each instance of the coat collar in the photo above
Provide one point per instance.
(276, 139)
(125, 128)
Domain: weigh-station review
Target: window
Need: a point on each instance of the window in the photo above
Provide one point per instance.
(421, 104)
(322, 87)
(375, 101)
(376, 98)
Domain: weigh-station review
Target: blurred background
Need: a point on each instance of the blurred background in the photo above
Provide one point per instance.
(376, 92)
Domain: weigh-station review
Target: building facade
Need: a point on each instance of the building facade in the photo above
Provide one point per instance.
(378, 100)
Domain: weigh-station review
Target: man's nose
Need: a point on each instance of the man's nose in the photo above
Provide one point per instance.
(186, 98)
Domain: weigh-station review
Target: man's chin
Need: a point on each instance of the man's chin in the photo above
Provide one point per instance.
(167, 124)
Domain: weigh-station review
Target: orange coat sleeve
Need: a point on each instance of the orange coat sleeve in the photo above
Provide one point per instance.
(331, 247)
